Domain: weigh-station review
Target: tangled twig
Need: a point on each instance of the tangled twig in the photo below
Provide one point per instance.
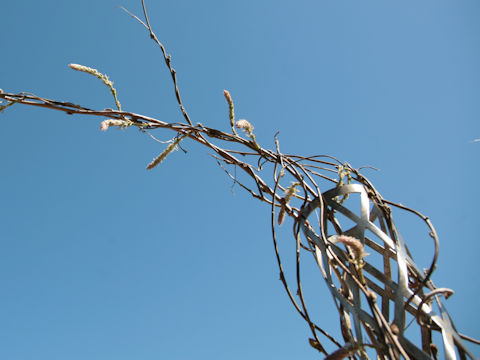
(315, 198)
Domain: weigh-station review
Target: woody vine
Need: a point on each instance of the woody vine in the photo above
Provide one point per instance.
(375, 304)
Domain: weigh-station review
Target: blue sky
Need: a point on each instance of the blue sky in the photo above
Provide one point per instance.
(101, 259)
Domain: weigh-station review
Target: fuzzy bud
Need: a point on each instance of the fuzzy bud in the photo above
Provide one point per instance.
(113, 122)
(227, 95)
(244, 125)
(248, 128)
(104, 78)
(231, 110)
(353, 243)
(289, 192)
(79, 67)
(171, 147)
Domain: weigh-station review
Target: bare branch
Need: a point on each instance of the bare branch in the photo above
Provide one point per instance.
(324, 187)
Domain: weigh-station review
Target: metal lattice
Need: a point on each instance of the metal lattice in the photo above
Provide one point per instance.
(362, 319)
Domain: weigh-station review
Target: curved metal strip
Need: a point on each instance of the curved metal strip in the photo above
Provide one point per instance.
(393, 248)
(403, 290)
(320, 257)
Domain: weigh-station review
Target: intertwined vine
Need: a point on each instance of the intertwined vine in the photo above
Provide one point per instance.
(374, 300)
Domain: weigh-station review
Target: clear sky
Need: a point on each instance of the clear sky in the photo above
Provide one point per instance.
(101, 259)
